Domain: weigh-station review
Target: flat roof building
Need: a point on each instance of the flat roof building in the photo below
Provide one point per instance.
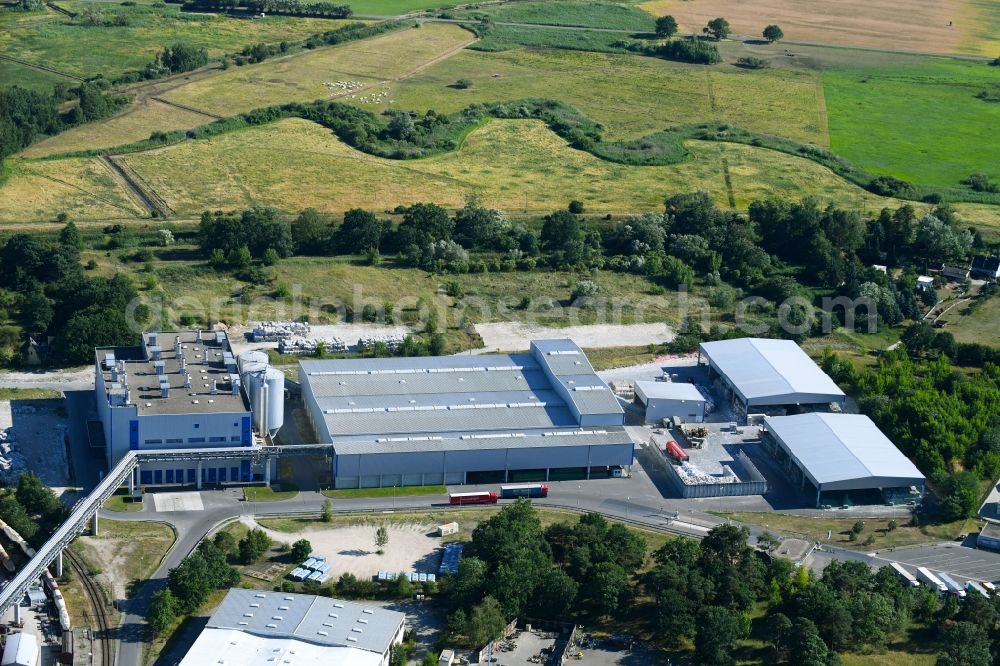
(844, 458)
(759, 372)
(665, 399)
(175, 390)
(465, 419)
(252, 628)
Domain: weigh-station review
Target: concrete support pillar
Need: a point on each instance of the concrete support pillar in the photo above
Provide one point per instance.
(267, 471)
(17, 613)
(546, 473)
(131, 480)
(94, 525)
(198, 476)
(59, 564)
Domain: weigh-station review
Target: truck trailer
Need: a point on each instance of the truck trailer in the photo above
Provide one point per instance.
(931, 581)
(526, 490)
(473, 498)
(908, 579)
(973, 586)
(954, 588)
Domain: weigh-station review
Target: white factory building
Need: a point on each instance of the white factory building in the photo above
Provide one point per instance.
(252, 628)
(768, 376)
(843, 458)
(668, 399)
(544, 415)
(186, 390)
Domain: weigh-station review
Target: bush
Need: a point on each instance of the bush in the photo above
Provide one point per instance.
(576, 207)
(253, 546)
(700, 53)
(584, 290)
(462, 84)
(980, 182)
(752, 62)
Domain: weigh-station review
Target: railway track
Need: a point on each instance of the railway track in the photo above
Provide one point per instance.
(99, 605)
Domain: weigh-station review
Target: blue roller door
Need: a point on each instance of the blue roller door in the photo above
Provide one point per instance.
(234, 473)
(192, 477)
(211, 475)
(244, 470)
(145, 477)
(222, 475)
(158, 476)
(170, 476)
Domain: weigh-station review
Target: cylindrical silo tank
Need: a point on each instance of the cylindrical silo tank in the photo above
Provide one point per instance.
(253, 376)
(275, 399)
(252, 357)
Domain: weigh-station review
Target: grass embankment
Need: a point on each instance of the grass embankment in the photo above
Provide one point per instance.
(887, 119)
(85, 47)
(815, 528)
(28, 393)
(620, 357)
(402, 491)
(123, 503)
(273, 493)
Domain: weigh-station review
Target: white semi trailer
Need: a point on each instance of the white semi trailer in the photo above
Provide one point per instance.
(931, 581)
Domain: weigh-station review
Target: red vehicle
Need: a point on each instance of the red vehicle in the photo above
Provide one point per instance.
(674, 450)
(473, 498)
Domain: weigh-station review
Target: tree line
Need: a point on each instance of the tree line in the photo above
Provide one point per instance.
(52, 296)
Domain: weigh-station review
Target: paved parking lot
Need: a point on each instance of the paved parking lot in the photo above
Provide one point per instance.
(953, 559)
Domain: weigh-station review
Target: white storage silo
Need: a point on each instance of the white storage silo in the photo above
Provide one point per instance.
(253, 377)
(251, 357)
(275, 380)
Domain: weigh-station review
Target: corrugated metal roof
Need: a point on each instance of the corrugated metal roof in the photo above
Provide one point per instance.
(760, 368)
(417, 383)
(226, 646)
(670, 391)
(317, 620)
(841, 447)
(582, 437)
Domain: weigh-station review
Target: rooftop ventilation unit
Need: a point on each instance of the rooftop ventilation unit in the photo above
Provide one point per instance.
(152, 337)
(164, 390)
(160, 367)
(155, 349)
(215, 387)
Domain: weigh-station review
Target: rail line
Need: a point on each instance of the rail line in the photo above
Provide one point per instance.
(98, 603)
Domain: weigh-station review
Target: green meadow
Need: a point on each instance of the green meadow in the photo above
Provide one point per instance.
(920, 121)
(568, 13)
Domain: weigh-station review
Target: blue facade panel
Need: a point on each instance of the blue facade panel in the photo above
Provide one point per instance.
(244, 470)
(133, 434)
(247, 435)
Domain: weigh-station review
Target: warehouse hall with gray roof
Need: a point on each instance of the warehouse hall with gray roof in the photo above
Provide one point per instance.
(255, 628)
(544, 415)
(844, 458)
(770, 376)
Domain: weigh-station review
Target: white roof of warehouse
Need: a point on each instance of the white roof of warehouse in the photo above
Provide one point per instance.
(228, 646)
(771, 372)
(843, 451)
(669, 391)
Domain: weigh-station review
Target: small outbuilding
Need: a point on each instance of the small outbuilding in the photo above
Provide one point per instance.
(666, 399)
(989, 537)
(925, 282)
(986, 268)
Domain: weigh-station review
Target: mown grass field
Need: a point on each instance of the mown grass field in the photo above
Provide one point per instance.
(303, 76)
(396, 7)
(519, 166)
(617, 16)
(630, 95)
(72, 46)
(82, 188)
(919, 120)
(13, 74)
(137, 122)
(981, 325)
(507, 37)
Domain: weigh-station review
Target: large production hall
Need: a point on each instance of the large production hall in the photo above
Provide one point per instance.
(544, 415)
(769, 376)
(844, 458)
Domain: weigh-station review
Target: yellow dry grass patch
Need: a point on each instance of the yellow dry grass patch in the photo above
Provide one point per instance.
(83, 188)
(922, 25)
(136, 124)
(515, 165)
(302, 77)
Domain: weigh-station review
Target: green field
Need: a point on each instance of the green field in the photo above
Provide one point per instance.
(396, 7)
(507, 37)
(630, 95)
(919, 121)
(13, 74)
(76, 47)
(608, 15)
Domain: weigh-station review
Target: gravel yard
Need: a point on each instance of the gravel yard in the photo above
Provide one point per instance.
(352, 549)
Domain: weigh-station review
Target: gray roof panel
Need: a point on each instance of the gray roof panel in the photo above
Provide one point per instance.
(841, 447)
(761, 368)
(582, 437)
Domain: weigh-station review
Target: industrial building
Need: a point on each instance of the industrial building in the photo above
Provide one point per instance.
(667, 399)
(844, 458)
(769, 376)
(252, 628)
(186, 390)
(544, 415)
